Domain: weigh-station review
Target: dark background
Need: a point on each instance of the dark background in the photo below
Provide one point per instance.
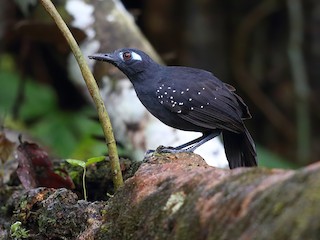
(269, 50)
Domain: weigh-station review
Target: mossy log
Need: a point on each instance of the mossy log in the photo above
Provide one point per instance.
(178, 196)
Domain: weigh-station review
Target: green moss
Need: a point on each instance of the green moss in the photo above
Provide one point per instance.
(18, 232)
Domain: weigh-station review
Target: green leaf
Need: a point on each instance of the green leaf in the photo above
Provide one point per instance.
(8, 91)
(39, 100)
(56, 130)
(95, 160)
(76, 162)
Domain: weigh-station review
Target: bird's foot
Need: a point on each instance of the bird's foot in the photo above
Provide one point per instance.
(163, 149)
(150, 151)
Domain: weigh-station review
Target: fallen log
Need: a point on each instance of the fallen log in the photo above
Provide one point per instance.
(178, 196)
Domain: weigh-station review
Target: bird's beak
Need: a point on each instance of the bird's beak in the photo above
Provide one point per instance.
(106, 57)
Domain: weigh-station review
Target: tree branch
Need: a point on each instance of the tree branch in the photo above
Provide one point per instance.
(94, 92)
(300, 79)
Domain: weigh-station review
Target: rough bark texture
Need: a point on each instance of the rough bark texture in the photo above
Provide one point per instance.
(180, 197)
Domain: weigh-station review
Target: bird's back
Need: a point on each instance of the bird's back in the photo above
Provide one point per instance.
(196, 98)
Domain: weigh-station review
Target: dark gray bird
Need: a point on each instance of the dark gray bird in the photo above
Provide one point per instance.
(189, 99)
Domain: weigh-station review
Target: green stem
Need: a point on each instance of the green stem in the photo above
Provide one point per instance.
(94, 92)
(84, 183)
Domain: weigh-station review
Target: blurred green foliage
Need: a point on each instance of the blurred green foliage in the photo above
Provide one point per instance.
(269, 159)
(67, 134)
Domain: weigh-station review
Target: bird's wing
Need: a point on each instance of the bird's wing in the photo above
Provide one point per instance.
(200, 98)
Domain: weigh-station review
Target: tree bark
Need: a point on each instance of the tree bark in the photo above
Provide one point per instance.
(180, 197)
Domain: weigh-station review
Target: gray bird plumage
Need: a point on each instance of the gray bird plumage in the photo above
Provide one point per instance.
(189, 99)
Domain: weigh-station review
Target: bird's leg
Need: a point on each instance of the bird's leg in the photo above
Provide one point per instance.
(178, 148)
(189, 146)
(205, 139)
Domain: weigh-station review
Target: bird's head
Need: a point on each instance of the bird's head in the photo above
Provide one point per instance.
(130, 61)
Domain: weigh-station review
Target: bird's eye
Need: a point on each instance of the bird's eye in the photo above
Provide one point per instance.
(126, 56)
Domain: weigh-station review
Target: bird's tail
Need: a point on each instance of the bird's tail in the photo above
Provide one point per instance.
(240, 149)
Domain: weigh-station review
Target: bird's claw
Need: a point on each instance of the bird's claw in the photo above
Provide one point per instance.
(163, 149)
(150, 151)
